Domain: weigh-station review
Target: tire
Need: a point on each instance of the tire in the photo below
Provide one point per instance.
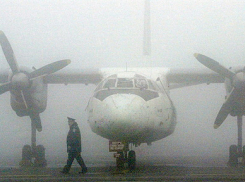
(26, 152)
(120, 161)
(131, 160)
(243, 155)
(233, 156)
(26, 157)
(40, 160)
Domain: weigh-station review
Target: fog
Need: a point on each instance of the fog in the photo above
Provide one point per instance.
(109, 33)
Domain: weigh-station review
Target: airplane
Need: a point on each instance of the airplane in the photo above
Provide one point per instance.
(129, 106)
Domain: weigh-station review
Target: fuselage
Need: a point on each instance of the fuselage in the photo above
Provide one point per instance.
(132, 108)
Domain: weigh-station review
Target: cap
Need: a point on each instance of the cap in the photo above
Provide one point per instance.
(70, 119)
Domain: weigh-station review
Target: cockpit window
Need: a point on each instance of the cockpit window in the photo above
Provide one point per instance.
(125, 83)
(110, 83)
(151, 85)
(99, 86)
(141, 83)
(134, 82)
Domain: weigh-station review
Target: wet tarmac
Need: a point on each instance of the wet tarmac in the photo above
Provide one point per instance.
(141, 173)
(182, 169)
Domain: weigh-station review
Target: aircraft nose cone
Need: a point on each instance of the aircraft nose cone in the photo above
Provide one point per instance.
(121, 115)
(127, 108)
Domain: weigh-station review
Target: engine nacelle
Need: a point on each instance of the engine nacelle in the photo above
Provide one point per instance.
(34, 92)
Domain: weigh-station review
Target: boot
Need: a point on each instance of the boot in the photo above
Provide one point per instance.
(84, 170)
(65, 170)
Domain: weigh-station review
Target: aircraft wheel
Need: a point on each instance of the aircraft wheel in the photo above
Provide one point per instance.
(120, 161)
(243, 155)
(40, 160)
(233, 156)
(26, 156)
(131, 160)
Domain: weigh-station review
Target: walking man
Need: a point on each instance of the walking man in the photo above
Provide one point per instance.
(74, 147)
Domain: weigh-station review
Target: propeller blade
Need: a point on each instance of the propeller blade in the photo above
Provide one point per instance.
(8, 52)
(4, 87)
(222, 115)
(50, 68)
(225, 109)
(214, 65)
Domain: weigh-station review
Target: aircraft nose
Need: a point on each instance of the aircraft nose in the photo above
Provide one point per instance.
(127, 108)
(122, 113)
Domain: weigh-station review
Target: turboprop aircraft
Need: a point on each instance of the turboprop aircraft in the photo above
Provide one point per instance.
(131, 106)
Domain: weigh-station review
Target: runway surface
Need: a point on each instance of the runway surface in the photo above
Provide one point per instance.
(145, 171)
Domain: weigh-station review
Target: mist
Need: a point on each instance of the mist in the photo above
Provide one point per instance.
(109, 33)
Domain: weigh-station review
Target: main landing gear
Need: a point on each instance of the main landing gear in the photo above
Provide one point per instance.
(237, 152)
(33, 152)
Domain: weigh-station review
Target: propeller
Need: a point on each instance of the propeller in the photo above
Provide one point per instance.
(21, 81)
(237, 81)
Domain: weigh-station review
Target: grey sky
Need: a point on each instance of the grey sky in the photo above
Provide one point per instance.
(109, 33)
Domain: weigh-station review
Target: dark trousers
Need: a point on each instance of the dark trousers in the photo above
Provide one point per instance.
(71, 156)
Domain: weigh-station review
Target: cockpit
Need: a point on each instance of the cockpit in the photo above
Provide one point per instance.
(128, 83)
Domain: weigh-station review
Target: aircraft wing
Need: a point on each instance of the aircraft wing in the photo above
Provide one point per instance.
(72, 76)
(178, 78)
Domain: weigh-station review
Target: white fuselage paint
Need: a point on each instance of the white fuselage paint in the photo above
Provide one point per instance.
(131, 114)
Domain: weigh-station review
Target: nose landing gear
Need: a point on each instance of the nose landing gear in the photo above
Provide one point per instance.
(131, 160)
(128, 157)
(123, 155)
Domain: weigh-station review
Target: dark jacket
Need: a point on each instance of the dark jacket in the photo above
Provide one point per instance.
(74, 139)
